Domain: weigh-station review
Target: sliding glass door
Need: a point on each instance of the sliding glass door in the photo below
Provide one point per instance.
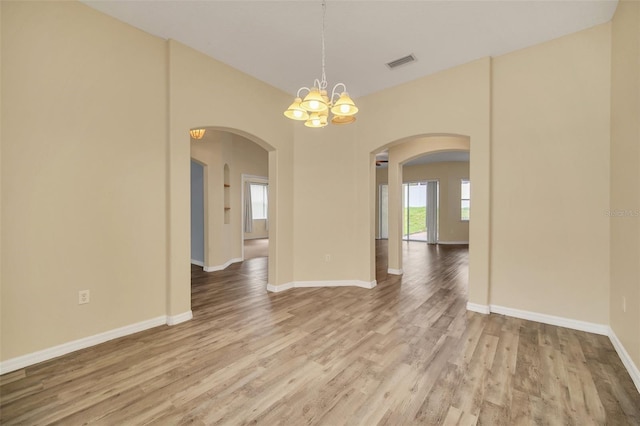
(420, 211)
(414, 211)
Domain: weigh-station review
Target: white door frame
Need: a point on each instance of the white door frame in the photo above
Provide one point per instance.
(421, 181)
(249, 178)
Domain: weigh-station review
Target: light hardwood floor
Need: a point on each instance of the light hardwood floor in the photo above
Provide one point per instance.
(256, 248)
(406, 352)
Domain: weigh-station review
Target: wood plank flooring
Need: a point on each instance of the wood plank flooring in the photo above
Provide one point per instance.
(406, 352)
(256, 248)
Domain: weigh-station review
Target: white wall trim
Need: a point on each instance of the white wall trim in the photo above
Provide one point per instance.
(573, 324)
(453, 242)
(393, 271)
(336, 283)
(223, 266)
(256, 178)
(277, 288)
(177, 319)
(197, 263)
(65, 348)
(626, 358)
(476, 307)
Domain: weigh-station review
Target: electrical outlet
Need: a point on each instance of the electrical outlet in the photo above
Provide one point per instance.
(83, 297)
(327, 258)
(624, 303)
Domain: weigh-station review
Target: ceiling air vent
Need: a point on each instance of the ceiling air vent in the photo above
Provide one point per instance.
(401, 61)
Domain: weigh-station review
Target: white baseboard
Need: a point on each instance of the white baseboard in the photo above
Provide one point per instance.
(177, 319)
(573, 324)
(631, 367)
(453, 242)
(277, 288)
(197, 263)
(223, 266)
(395, 271)
(86, 342)
(65, 348)
(476, 307)
(337, 283)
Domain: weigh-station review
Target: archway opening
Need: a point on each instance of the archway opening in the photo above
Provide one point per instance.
(418, 185)
(234, 162)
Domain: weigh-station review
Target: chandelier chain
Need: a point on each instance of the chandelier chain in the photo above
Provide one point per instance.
(323, 83)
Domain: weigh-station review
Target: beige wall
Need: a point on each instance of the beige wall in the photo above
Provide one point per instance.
(550, 186)
(260, 230)
(449, 176)
(455, 102)
(625, 177)
(83, 175)
(96, 193)
(207, 93)
(325, 197)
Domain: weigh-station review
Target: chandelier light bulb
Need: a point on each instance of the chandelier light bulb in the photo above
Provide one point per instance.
(296, 112)
(344, 106)
(314, 101)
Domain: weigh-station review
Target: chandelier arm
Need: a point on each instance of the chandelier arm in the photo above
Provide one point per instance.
(300, 89)
(334, 93)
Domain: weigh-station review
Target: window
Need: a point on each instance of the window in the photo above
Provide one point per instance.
(259, 200)
(465, 199)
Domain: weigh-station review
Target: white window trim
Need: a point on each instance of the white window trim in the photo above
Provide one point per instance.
(462, 180)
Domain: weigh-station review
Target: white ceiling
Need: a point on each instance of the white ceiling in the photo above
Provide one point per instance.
(279, 41)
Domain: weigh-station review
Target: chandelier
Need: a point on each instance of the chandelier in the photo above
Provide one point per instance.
(197, 133)
(315, 107)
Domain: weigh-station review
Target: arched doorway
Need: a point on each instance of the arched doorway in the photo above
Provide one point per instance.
(399, 153)
(229, 156)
